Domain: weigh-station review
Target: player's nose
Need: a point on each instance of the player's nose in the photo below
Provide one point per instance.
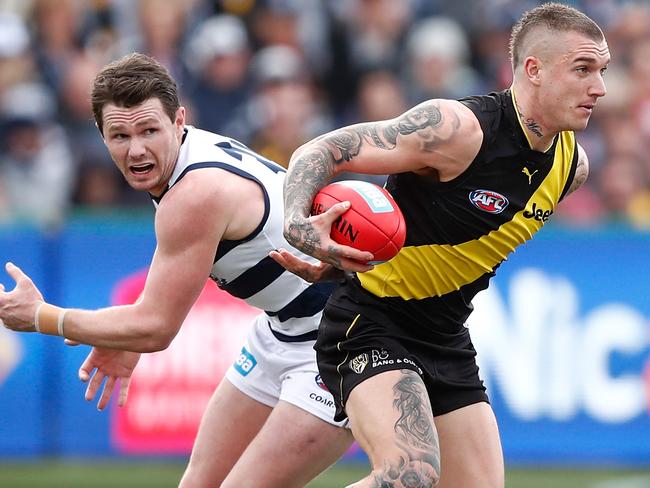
(136, 148)
(598, 88)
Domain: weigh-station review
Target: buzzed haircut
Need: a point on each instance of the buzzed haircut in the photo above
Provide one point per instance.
(556, 17)
(131, 80)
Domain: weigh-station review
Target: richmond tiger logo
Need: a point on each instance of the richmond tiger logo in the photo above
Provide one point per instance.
(359, 363)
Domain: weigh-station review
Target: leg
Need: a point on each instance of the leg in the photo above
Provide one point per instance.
(391, 418)
(470, 447)
(230, 422)
(291, 449)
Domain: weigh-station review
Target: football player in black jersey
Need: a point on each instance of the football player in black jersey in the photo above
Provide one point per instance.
(474, 178)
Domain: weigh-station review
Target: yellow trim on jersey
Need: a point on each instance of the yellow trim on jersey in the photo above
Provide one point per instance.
(338, 346)
(419, 272)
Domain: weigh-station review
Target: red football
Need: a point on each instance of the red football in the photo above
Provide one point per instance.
(373, 223)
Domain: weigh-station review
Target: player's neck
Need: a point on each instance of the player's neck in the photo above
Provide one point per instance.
(539, 137)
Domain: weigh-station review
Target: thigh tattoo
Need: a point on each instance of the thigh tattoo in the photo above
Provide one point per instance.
(419, 464)
(415, 424)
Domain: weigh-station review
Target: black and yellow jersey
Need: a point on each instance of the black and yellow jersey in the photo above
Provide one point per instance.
(459, 232)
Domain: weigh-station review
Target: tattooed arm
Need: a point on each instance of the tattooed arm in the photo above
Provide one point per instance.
(440, 135)
(582, 171)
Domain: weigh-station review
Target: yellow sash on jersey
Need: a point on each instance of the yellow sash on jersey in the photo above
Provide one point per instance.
(419, 272)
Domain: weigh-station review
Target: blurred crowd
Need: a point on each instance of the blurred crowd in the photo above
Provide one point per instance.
(276, 73)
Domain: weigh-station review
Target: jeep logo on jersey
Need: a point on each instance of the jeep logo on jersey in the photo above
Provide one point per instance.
(488, 201)
(538, 213)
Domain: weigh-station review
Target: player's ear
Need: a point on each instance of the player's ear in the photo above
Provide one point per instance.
(180, 116)
(532, 68)
(179, 121)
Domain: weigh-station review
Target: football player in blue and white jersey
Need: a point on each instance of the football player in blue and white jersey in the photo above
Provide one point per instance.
(219, 212)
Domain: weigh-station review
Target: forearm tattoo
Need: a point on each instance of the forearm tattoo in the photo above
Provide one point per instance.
(311, 171)
(316, 164)
(419, 465)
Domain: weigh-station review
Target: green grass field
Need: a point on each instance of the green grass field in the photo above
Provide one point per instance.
(163, 475)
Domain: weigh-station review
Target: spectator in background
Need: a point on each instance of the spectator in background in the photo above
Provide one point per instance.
(101, 39)
(98, 183)
(490, 44)
(163, 24)
(36, 169)
(277, 22)
(303, 25)
(16, 64)
(218, 56)
(380, 97)
(375, 31)
(620, 181)
(367, 34)
(639, 81)
(160, 32)
(285, 111)
(57, 26)
(438, 66)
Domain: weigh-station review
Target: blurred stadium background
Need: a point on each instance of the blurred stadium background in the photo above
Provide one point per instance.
(563, 335)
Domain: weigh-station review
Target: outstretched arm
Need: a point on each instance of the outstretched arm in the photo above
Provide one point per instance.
(189, 224)
(437, 135)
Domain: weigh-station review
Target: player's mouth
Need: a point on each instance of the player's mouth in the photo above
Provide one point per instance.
(141, 169)
(587, 107)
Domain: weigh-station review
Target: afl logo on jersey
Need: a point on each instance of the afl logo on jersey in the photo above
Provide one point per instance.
(488, 201)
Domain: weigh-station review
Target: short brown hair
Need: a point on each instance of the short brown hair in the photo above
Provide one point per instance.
(131, 80)
(554, 16)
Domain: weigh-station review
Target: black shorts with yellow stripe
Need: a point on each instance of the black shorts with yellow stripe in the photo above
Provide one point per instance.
(359, 338)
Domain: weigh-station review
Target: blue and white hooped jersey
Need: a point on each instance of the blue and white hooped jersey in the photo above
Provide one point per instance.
(243, 268)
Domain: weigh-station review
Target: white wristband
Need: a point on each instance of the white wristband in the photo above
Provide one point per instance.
(36, 318)
(61, 318)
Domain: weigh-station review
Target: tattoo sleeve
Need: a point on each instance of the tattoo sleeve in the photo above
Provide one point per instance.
(419, 463)
(415, 424)
(316, 163)
(312, 169)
